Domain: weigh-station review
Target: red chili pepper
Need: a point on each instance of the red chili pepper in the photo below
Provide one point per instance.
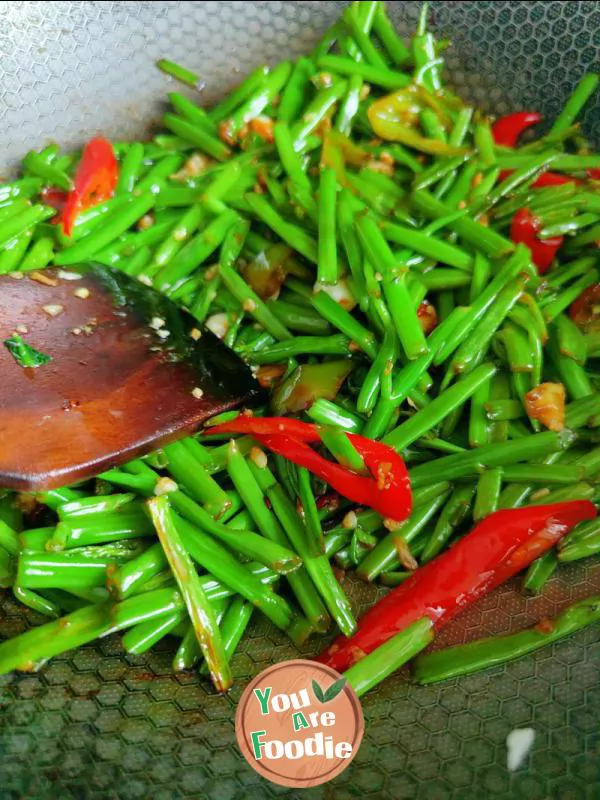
(386, 490)
(594, 174)
(507, 130)
(95, 181)
(55, 198)
(524, 229)
(584, 310)
(495, 550)
(547, 179)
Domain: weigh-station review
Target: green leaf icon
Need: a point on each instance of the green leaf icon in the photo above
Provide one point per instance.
(318, 692)
(335, 688)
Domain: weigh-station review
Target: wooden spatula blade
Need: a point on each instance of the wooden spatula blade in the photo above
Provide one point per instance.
(129, 372)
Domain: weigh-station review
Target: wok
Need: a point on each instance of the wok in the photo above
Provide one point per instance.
(99, 724)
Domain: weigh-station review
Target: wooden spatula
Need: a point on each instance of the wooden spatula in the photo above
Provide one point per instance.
(129, 372)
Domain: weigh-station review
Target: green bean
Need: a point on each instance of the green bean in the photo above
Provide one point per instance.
(501, 410)
(386, 78)
(349, 106)
(555, 307)
(291, 161)
(387, 34)
(572, 374)
(457, 192)
(109, 527)
(22, 188)
(196, 251)
(248, 299)
(540, 572)
(479, 429)
(256, 101)
(429, 246)
(154, 178)
(325, 412)
(19, 223)
(245, 482)
(518, 350)
(9, 539)
(580, 411)
(342, 449)
(180, 73)
(318, 567)
(39, 255)
(62, 570)
(130, 169)
(142, 637)
(480, 276)
(336, 345)
(12, 255)
(327, 264)
(302, 320)
(526, 173)
(312, 524)
(112, 227)
(198, 606)
(36, 601)
(571, 109)
(291, 234)
(424, 53)
(359, 30)
(492, 243)
(473, 351)
(499, 454)
(452, 515)
(345, 322)
(489, 486)
(423, 421)
(576, 491)
(13, 208)
(234, 624)
(440, 169)
(568, 226)
(371, 385)
(582, 542)
(293, 96)
(76, 506)
(570, 340)
(179, 234)
(384, 556)
(43, 168)
(484, 653)
(439, 279)
(484, 142)
(403, 313)
(192, 112)
(389, 657)
(188, 472)
(241, 93)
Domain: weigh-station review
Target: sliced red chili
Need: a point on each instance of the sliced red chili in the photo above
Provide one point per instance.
(55, 198)
(507, 132)
(585, 311)
(386, 489)
(524, 229)
(95, 181)
(495, 550)
(547, 179)
(508, 129)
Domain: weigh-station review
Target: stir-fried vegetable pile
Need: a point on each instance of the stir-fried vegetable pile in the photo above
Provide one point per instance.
(391, 263)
